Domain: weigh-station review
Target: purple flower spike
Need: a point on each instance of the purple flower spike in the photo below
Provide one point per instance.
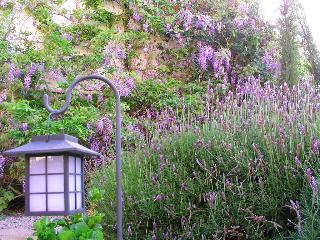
(32, 69)
(27, 81)
(11, 73)
(24, 127)
(136, 16)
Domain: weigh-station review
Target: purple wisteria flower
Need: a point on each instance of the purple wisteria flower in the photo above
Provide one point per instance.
(67, 36)
(145, 27)
(2, 163)
(130, 83)
(11, 72)
(187, 18)
(3, 3)
(120, 53)
(168, 27)
(3, 96)
(268, 59)
(136, 16)
(24, 184)
(24, 127)
(32, 69)
(205, 55)
(243, 8)
(203, 22)
(27, 81)
(55, 74)
(17, 73)
(239, 23)
(104, 126)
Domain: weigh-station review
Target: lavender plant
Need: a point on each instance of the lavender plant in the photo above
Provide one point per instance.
(231, 174)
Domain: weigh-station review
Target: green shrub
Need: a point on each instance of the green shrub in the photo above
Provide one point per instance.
(5, 197)
(308, 210)
(160, 95)
(204, 184)
(76, 227)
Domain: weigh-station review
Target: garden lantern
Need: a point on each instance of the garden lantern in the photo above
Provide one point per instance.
(54, 174)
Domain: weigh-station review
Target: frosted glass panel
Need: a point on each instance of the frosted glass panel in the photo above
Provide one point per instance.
(37, 184)
(37, 165)
(71, 164)
(71, 183)
(37, 202)
(78, 165)
(56, 202)
(72, 203)
(78, 181)
(79, 200)
(55, 164)
(56, 183)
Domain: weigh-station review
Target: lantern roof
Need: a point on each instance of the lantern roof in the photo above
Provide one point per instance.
(61, 143)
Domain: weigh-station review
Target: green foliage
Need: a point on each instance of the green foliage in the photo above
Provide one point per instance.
(135, 38)
(93, 3)
(310, 48)
(44, 17)
(85, 32)
(5, 197)
(104, 16)
(57, 45)
(24, 111)
(158, 95)
(76, 227)
(197, 165)
(4, 46)
(100, 40)
(310, 213)
(289, 43)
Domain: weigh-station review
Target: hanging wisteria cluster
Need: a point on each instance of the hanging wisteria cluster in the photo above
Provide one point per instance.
(220, 43)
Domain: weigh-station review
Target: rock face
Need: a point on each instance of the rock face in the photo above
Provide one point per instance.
(113, 7)
(62, 14)
(149, 61)
(21, 26)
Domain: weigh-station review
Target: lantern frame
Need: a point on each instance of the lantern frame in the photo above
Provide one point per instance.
(66, 193)
(67, 147)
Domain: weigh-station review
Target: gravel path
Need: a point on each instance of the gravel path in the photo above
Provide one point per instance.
(17, 227)
(18, 221)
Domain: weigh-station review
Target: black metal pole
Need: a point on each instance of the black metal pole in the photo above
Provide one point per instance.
(118, 136)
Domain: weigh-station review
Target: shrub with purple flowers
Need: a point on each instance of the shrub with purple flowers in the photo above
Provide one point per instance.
(233, 170)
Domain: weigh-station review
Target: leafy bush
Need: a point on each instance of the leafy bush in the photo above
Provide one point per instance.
(76, 227)
(203, 188)
(160, 95)
(307, 213)
(233, 175)
(5, 197)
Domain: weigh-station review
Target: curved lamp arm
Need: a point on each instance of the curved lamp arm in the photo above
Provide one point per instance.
(118, 135)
